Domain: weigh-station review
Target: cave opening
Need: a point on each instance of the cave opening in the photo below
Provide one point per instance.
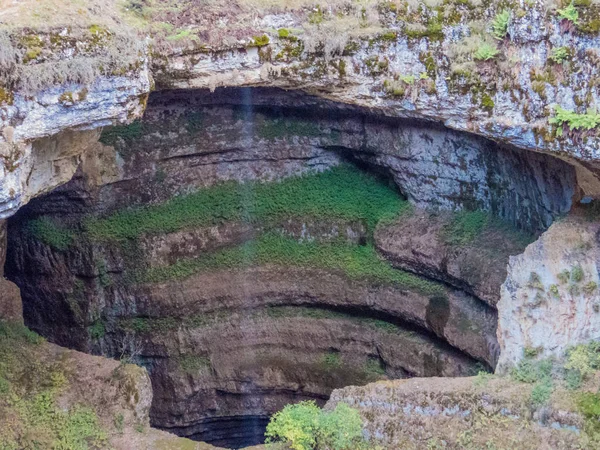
(257, 247)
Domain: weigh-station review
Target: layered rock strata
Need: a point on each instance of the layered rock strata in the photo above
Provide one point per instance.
(230, 339)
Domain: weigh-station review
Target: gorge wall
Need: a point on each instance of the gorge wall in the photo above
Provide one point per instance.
(252, 248)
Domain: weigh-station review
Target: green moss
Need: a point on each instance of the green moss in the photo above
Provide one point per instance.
(376, 65)
(331, 361)
(429, 62)
(31, 54)
(564, 276)
(126, 133)
(260, 41)
(48, 232)
(433, 31)
(577, 274)
(343, 192)
(356, 262)
(287, 127)
(389, 35)
(163, 325)
(30, 389)
(193, 364)
(97, 330)
(464, 227)
(590, 287)
(487, 102)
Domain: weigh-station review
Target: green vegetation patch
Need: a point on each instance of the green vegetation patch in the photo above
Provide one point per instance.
(48, 232)
(466, 226)
(486, 52)
(193, 364)
(573, 120)
(339, 193)
(500, 24)
(29, 390)
(287, 127)
(356, 262)
(304, 426)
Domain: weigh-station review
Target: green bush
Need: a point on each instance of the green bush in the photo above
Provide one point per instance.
(569, 13)
(583, 359)
(465, 226)
(577, 274)
(541, 392)
(500, 24)
(573, 120)
(486, 52)
(332, 360)
(304, 426)
(559, 54)
(529, 371)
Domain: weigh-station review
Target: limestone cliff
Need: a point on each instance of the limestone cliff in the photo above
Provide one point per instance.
(399, 59)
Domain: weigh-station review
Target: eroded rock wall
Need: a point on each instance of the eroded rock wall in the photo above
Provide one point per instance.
(550, 300)
(227, 346)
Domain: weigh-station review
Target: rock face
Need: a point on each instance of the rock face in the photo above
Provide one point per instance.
(550, 299)
(11, 308)
(422, 413)
(406, 61)
(226, 346)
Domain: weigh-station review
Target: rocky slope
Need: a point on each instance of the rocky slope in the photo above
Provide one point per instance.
(53, 397)
(464, 413)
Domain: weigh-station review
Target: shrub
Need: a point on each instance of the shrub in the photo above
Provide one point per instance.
(541, 392)
(569, 13)
(559, 54)
(577, 274)
(564, 276)
(590, 288)
(486, 52)
(97, 330)
(500, 24)
(528, 371)
(332, 360)
(573, 120)
(584, 359)
(304, 426)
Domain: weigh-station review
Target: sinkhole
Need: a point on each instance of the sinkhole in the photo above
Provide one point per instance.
(257, 247)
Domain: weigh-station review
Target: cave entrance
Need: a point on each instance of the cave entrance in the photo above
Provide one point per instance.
(254, 248)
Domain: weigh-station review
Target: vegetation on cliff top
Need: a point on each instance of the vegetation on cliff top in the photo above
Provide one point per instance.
(31, 415)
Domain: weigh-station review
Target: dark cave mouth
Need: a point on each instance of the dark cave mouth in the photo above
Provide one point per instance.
(77, 290)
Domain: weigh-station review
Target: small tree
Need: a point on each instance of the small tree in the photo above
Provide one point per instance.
(306, 427)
